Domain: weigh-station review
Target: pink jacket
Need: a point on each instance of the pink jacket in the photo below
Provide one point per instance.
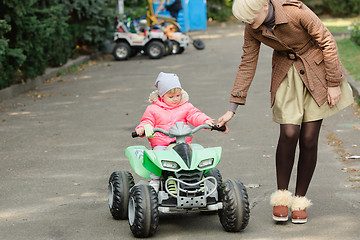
(161, 115)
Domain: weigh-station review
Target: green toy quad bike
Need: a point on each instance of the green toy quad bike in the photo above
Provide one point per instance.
(189, 181)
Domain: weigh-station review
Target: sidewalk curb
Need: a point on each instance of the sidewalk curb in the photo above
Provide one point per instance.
(30, 84)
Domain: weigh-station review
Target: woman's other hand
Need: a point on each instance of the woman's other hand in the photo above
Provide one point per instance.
(333, 95)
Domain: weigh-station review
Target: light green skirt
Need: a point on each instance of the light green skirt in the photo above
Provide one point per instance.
(294, 103)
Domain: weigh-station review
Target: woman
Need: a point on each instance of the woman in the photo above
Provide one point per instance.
(307, 85)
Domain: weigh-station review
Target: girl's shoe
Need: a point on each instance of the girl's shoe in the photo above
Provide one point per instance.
(298, 206)
(281, 200)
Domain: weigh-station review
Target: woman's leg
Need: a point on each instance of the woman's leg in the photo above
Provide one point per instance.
(285, 153)
(308, 144)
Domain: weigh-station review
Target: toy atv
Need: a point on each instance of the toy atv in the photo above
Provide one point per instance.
(179, 40)
(152, 42)
(189, 181)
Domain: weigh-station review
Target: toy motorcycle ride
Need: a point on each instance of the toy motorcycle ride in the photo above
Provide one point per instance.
(189, 181)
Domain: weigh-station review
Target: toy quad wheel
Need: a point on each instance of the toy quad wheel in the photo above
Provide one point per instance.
(134, 52)
(216, 174)
(176, 48)
(155, 49)
(118, 190)
(143, 211)
(198, 44)
(235, 214)
(168, 47)
(122, 51)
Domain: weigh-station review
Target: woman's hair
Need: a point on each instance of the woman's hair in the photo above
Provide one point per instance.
(173, 90)
(245, 10)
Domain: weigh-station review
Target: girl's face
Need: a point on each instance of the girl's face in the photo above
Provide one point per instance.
(260, 16)
(172, 99)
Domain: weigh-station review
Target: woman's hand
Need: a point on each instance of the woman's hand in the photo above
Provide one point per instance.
(224, 119)
(333, 95)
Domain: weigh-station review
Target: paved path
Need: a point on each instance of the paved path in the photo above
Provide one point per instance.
(60, 143)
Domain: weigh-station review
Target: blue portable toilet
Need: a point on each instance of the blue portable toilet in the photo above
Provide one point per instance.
(197, 14)
(193, 16)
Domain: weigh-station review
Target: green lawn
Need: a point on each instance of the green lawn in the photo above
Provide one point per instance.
(349, 51)
(350, 57)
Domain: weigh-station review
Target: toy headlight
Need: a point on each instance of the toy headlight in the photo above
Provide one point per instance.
(171, 165)
(206, 163)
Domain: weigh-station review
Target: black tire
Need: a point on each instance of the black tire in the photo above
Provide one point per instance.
(118, 190)
(134, 52)
(198, 44)
(168, 48)
(155, 49)
(143, 211)
(122, 51)
(176, 48)
(216, 174)
(235, 214)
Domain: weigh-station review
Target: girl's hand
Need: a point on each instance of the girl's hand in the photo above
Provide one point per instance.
(210, 122)
(333, 95)
(224, 119)
(140, 131)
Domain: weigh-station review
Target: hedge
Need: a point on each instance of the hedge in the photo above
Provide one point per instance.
(36, 34)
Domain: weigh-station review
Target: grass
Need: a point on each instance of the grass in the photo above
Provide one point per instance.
(348, 50)
(350, 57)
(338, 24)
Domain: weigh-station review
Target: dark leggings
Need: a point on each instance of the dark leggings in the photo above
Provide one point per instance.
(307, 134)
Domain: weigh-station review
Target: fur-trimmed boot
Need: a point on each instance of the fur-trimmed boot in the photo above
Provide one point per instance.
(281, 200)
(298, 207)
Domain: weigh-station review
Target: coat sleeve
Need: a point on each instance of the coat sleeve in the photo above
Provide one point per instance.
(247, 68)
(195, 117)
(317, 30)
(147, 118)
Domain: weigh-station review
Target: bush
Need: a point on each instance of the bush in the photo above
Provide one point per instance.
(10, 59)
(219, 10)
(91, 21)
(36, 34)
(355, 32)
(316, 6)
(344, 8)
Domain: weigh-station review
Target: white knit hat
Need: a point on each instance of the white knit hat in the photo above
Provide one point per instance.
(167, 81)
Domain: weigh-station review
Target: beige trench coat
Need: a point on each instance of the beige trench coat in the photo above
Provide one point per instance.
(297, 29)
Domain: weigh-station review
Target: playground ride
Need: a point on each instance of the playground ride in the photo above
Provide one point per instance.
(151, 42)
(172, 30)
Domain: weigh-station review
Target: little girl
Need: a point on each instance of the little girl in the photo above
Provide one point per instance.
(169, 106)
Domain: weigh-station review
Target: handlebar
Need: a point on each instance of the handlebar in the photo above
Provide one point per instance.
(204, 126)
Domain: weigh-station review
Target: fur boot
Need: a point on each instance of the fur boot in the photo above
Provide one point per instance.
(298, 207)
(300, 203)
(281, 198)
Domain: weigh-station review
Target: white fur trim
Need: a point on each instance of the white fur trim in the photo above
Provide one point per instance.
(300, 203)
(281, 198)
(154, 96)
